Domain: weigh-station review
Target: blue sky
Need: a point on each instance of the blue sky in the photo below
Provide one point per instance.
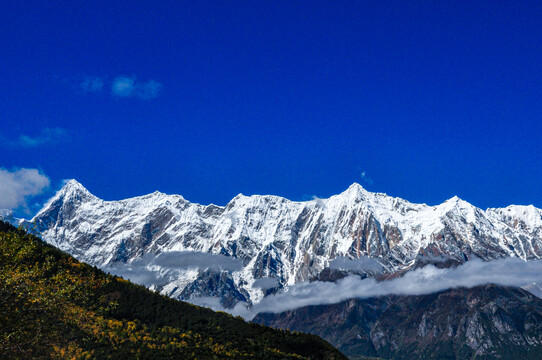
(422, 99)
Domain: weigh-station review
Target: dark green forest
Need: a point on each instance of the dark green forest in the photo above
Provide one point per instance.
(55, 307)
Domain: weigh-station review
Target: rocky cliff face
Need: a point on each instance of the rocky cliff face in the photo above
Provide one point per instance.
(272, 237)
(487, 322)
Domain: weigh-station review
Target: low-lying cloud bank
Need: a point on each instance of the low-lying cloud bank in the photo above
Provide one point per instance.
(265, 283)
(363, 264)
(163, 268)
(426, 280)
(156, 270)
(190, 259)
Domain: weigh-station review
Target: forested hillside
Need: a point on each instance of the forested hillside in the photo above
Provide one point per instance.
(55, 307)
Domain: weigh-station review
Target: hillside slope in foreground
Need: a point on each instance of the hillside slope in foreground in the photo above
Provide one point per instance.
(55, 307)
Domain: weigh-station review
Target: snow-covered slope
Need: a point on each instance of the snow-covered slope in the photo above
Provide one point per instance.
(273, 237)
(7, 216)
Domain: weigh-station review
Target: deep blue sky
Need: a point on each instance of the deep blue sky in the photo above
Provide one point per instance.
(429, 99)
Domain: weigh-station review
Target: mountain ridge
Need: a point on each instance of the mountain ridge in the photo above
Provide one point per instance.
(274, 237)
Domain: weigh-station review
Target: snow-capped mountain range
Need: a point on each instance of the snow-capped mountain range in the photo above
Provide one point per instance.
(262, 244)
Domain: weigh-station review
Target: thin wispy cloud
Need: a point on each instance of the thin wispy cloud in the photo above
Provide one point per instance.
(18, 185)
(123, 86)
(117, 86)
(366, 178)
(319, 201)
(47, 136)
(92, 84)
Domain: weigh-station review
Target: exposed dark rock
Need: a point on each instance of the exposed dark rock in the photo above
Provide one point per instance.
(486, 322)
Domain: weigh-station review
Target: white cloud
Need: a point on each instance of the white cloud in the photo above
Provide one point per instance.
(319, 201)
(121, 86)
(124, 86)
(366, 178)
(92, 84)
(141, 275)
(239, 309)
(429, 279)
(265, 283)
(151, 270)
(197, 260)
(163, 268)
(18, 185)
(363, 264)
(46, 136)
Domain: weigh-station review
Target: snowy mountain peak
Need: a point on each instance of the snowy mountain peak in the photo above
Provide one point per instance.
(71, 191)
(73, 187)
(154, 195)
(238, 197)
(356, 188)
(515, 214)
(72, 183)
(354, 193)
(461, 208)
(456, 203)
